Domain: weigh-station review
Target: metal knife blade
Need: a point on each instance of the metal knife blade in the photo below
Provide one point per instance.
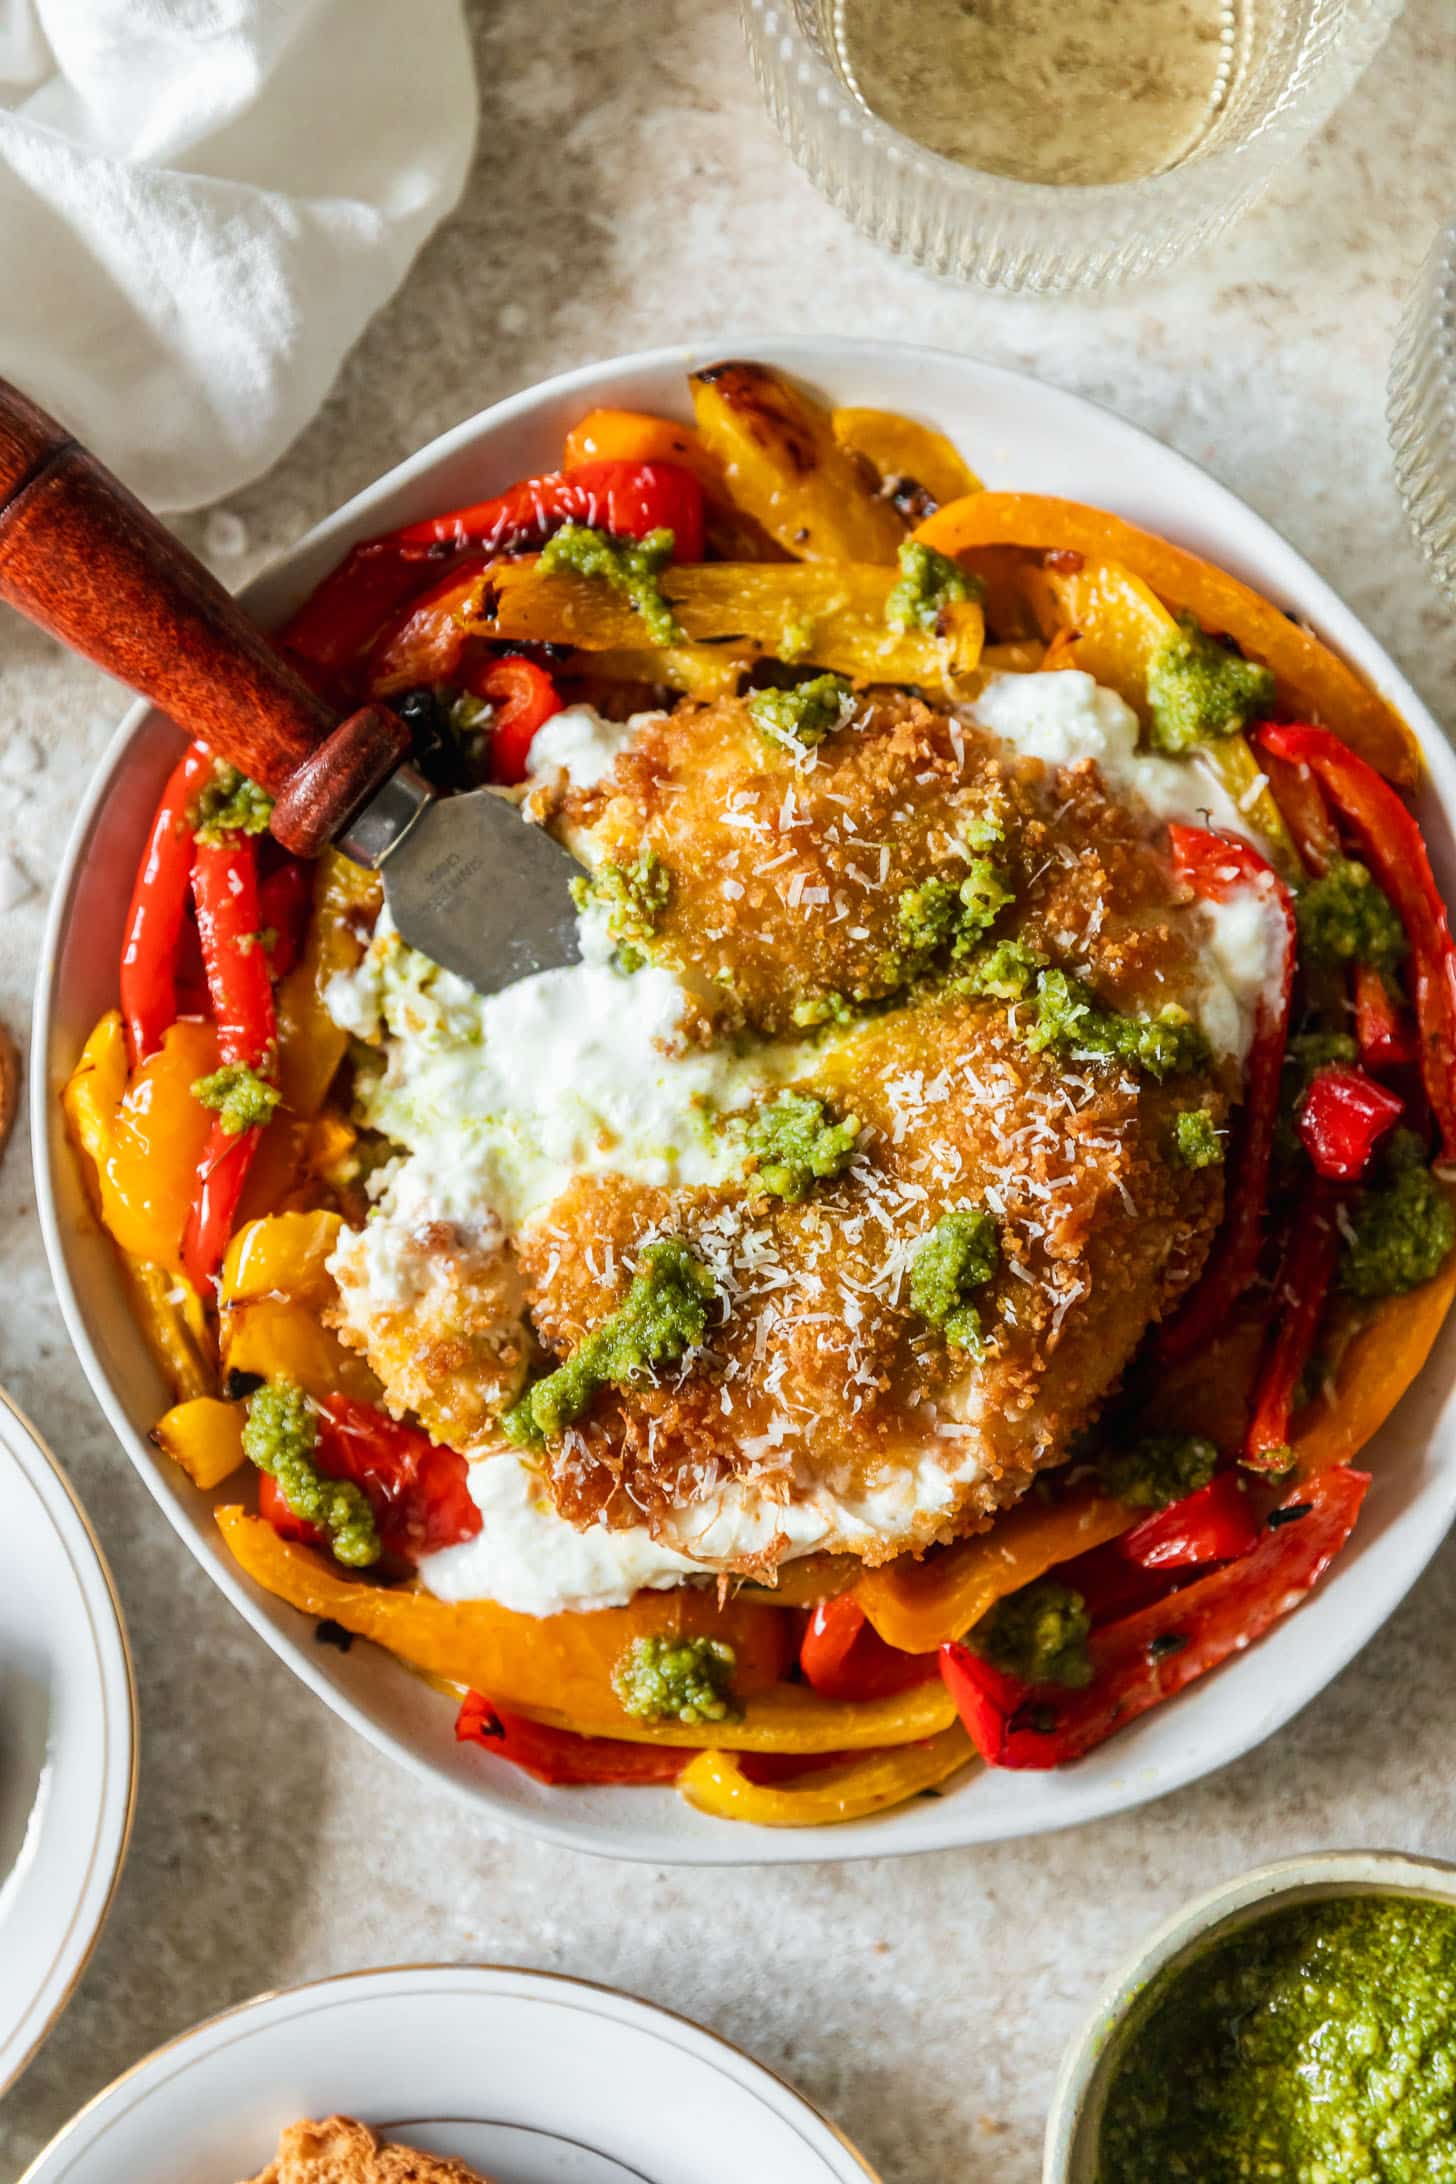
(472, 884)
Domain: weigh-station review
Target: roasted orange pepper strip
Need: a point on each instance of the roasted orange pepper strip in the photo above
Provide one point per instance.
(1375, 1368)
(558, 1668)
(560, 1662)
(918, 1605)
(1312, 673)
(714, 1783)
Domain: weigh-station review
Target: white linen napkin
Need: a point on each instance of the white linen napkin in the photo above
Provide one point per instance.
(203, 202)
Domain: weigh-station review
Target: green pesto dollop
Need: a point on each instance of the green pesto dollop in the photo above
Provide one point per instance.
(947, 917)
(240, 1097)
(1196, 1139)
(1004, 970)
(1038, 1635)
(798, 1144)
(1317, 2045)
(1344, 917)
(804, 714)
(632, 566)
(1199, 690)
(230, 804)
(677, 1679)
(663, 1315)
(1069, 1019)
(1158, 1470)
(929, 582)
(1400, 1229)
(280, 1435)
(633, 896)
(958, 1257)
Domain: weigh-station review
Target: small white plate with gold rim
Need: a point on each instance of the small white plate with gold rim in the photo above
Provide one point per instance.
(67, 1741)
(528, 2076)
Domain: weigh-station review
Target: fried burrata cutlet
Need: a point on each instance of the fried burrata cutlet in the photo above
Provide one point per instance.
(817, 1369)
(821, 887)
(788, 867)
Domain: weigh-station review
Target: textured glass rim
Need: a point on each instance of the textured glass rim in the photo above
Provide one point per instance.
(1421, 409)
(1310, 102)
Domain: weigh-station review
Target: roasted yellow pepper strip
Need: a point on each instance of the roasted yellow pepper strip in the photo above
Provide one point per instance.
(714, 1783)
(122, 1188)
(310, 1044)
(919, 1605)
(820, 615)
(1316, 678)
(776, 448)
(558, 1668)
(280, 1340)
(144, 1133)
(282, 1255)
(205, 1437)
(1115, 626)
(900, 448)
(171, 1316)
(701, 671)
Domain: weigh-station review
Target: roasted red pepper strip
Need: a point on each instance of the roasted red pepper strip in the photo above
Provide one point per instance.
(424, 641)
(1394, 849)
(417, 1488)
(284, 901)
(559, 1756)
(525, 698)
(1341, 1120)
(844, 1657)
(229, 923)
(1214, 1525)
(274, 1504)
(1216, 866)
(334, 625)
(629, 499)
(221, 1174)
(1383, 1031)
(1151, 1655)
(225, 885)
(158, 907)
(1301, 1295)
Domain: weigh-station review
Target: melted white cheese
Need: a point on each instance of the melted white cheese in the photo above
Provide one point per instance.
(1065, 716)
(578, 743)
(527, 1557)
(498, 1101)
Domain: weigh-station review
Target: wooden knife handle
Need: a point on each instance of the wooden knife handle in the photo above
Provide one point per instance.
(81, 556)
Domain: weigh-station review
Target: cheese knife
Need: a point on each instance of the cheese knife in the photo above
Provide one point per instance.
(469, 882)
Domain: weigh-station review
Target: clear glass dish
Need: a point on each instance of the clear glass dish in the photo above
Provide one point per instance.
(1284, 67)
(1422, 409)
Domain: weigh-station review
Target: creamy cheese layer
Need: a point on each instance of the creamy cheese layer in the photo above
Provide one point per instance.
(498, 1103)
(1065, 716)
(527, 1557)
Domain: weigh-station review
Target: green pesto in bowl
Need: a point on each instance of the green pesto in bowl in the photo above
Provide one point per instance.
(1316, 2045)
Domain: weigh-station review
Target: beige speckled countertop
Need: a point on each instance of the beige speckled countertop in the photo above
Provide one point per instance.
(629, 190)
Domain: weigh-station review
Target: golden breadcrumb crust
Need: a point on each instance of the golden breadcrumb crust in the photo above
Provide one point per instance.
(341, 2151)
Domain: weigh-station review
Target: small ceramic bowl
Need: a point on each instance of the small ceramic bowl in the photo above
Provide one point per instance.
(1082, 2083)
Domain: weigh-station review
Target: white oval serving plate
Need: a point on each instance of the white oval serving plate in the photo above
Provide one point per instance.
(67, 1742)
(1016, 433)
(530, 2077)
